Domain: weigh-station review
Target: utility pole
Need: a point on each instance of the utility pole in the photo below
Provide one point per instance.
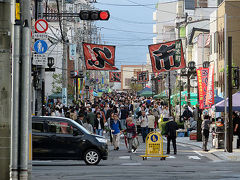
(25, 95)
(230, 120)
(65, 57)
(5, 87)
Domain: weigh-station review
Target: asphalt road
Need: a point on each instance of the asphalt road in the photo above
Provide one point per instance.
(190, 163)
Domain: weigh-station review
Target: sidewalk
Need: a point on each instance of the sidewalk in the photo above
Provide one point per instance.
(234, 156)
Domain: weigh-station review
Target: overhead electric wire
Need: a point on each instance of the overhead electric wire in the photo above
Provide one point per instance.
(139, 22)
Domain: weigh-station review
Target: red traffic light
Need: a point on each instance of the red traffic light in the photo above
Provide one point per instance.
(104, 15)
(93, 15)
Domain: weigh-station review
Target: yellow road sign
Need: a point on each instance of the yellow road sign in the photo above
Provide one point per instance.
(154, 146)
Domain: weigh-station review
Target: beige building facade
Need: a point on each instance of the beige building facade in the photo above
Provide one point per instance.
(129, 71)
(231, 8)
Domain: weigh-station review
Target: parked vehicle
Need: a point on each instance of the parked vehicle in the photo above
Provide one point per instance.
(57, 138)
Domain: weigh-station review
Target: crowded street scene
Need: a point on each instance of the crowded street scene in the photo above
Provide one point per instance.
(127, 89)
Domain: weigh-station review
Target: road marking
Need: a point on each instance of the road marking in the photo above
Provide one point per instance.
(171, 157)
(194, 157)
(124, 157)
(199, 153)
(183, 145)
(131, 164)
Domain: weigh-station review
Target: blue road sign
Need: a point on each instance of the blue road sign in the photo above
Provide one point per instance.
(40, 46)
(154, 138)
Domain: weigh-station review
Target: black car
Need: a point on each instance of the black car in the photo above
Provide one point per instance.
(57, 138)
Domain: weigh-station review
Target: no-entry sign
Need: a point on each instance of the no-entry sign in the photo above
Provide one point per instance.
(41, 26)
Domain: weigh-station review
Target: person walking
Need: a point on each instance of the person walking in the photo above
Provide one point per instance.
(99, 124)
(205, 131)
(87, 125)
(116, 130)
(143, 120)
(151, 121)
(187, 114)
(171, 134)
(123, 116)
(131, 133)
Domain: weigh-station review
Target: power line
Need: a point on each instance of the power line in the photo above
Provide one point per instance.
(139, 22)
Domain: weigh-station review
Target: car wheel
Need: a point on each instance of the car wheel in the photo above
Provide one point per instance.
(92, 157)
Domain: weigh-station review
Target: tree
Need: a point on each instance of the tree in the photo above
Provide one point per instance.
(57, 83)
(136, 87)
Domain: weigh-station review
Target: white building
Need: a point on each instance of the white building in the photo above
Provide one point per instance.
(165, 21)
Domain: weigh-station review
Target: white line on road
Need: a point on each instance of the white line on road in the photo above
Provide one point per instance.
(194, 157)
(199, 153)
(171, 157)
(124, 157)
(131, 164)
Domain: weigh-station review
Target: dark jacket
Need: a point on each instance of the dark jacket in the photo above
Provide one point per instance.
(187, 114)
(96, 122)
(124, 114)
(171, 128)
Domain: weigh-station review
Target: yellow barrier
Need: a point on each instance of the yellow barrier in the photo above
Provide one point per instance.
(154, 146)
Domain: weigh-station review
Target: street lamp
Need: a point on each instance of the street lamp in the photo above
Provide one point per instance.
(206, 64)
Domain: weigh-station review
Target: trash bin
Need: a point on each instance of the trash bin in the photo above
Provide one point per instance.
(235, 139)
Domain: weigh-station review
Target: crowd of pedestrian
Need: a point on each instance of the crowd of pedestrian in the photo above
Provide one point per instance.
(114, 114)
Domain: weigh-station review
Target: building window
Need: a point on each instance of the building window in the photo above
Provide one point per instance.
(135, 72)
(201, 3)
(127, 81)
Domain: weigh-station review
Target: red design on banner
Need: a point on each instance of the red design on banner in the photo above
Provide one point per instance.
(167, 56)
(114, 76)
(202, 76)
(142, 76)
(99, 57)
(210, 87)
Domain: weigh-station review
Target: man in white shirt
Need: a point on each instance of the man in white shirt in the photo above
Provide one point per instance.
(143, 120)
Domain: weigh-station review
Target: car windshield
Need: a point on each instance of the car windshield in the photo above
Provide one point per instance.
(81, 127)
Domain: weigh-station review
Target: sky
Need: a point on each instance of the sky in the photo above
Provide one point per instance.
(130, 28)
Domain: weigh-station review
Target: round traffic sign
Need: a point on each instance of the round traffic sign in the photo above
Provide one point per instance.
(154, 138)
(41, 26)
(40, 46)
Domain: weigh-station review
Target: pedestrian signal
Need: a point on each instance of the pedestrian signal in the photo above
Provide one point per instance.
(93, 15)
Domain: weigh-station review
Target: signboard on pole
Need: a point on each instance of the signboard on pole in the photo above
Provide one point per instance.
(72, 52)
(42, 36)
(40, 46)
(202, 76)
(64, 96)
(41, 26)
(39, 59)
(210, 86)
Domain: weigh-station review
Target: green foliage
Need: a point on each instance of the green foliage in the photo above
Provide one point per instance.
(136, 87)
(57, 83)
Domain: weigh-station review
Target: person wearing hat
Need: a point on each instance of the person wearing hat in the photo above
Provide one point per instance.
(187, 114)
(171, 134)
